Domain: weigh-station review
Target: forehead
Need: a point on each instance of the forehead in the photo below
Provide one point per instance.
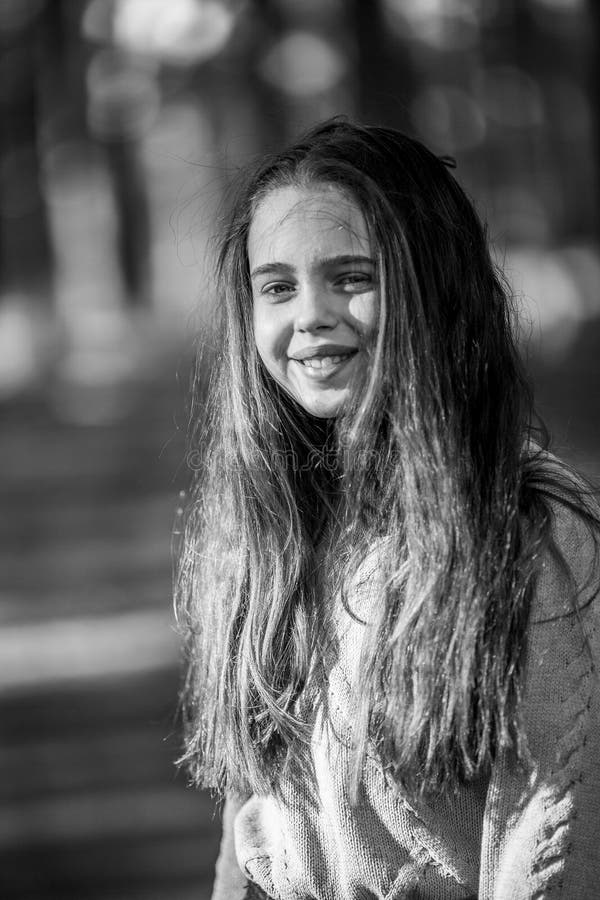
(316, 220)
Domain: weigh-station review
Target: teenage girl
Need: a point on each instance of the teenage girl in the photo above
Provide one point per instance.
(389, 589)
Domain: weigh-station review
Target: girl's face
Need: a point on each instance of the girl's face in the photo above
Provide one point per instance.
(315, 293)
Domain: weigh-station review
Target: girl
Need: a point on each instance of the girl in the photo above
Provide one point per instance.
(388, 588)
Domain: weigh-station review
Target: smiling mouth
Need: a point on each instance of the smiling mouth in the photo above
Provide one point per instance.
(324, 362)
(322, 366)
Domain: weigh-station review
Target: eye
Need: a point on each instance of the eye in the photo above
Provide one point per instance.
(355, 281)
(277, 289)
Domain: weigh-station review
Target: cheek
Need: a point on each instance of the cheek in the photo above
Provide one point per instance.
(364, 308)
(269, 337)
(261, 330)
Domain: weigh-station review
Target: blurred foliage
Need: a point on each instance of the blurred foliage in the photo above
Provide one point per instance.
(122, 119)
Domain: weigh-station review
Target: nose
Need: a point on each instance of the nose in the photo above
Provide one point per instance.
(315, 310)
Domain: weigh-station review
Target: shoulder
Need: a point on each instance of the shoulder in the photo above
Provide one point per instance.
(543, 817)
(562, 655)
(569, 573)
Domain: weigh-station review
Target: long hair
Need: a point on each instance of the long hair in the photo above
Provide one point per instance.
(431, 461)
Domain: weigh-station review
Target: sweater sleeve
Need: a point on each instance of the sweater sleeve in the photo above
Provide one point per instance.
(542, 818)
(230, 882)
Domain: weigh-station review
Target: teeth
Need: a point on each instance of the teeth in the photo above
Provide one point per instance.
(323, 362)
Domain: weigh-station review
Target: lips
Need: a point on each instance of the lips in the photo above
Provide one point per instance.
(323, 351)
(323, 361)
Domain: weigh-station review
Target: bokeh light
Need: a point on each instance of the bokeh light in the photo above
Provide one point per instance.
(448, 118)
(124, 98)
(302, 64)
(440, 24)
(510, 97)
(180, 32)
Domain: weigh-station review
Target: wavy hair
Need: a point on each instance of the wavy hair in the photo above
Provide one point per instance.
(427, 463)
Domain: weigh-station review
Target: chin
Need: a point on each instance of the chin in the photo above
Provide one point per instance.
(321, 409)
(321, 413)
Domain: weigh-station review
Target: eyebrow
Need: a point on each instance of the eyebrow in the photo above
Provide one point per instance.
(344, 259)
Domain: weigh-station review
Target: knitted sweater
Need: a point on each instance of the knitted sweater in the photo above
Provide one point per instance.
(525, 833)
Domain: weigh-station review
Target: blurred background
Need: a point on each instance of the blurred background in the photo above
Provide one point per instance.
(121, 124)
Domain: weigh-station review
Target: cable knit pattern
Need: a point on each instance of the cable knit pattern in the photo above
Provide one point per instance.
(542, 824)
(532, 831)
